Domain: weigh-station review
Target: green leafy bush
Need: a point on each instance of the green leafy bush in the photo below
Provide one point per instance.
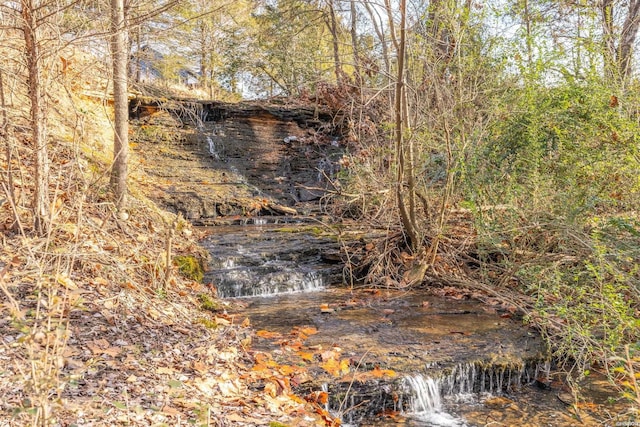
(570, 149)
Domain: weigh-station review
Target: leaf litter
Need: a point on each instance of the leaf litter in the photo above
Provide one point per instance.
(97, 332)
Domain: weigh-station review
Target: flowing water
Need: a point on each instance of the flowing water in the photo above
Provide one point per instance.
(261, 259)
(455, 363)
(458, 362)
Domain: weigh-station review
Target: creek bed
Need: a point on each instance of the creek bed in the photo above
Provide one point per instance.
(455, 362)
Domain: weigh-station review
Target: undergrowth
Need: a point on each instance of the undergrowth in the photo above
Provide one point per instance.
(543, 215)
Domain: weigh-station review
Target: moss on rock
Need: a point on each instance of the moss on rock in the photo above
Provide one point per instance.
(190, 267)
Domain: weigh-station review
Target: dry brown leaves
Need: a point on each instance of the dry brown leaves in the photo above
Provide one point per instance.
(93, 334)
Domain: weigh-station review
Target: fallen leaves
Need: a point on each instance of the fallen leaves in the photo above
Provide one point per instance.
(324, 308)
(335, 366)
(381, 373)
(102, 347)
(268, 334)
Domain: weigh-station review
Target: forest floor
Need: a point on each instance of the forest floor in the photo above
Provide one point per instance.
(97, 329)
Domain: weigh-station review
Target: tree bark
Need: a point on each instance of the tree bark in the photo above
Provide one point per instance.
(618, 48)
(119, 170)
(609, 54)
(4, 135)
(354, 41)
(333, 28)
(37, 119)
(403, 153)
(628, 39)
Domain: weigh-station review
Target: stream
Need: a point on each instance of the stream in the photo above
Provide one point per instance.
(418, 358)
(455, 362)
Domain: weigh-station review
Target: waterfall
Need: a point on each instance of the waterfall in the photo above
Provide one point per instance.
(212, 148)
(427, 394)
(215, 149)
(426, 403)
(464, 382)
(268, 280)
(262, 260)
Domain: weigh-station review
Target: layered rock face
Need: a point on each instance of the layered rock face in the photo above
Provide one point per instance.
(221, 160)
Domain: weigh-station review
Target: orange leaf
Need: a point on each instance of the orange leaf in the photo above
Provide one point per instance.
(379, 373)
(287, 369)
(335, 367)
(268, 334)
(309, 330)
(320, 397)
(331, 366)
(324, 308)
(306, 356)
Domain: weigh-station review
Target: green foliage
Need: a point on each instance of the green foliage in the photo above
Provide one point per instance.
(208, 323)
(569, 148)
(557, 182)
(190, 267)
(588, 306)
(207, 303)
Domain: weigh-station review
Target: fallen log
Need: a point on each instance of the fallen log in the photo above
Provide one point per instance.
(285, 210)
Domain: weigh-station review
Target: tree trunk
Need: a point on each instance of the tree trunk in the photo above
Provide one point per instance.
(373, 13)
(119, 170)
(608, 33)
(628, 39)
(618, 48)
(333, 28)
(41, 204)
(204, 50)
(4, 135)
(404, 154)
(138, 65)
(529, 41)
(354, 42)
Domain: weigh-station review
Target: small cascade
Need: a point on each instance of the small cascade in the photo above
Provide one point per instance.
(426, 402)
(212, 148)
(260, 260)
(266, 281)
(428, 396)
(327, 169)
(259, 221)
(216, 133)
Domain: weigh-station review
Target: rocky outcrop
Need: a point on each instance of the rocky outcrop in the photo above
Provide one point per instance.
(221, 160)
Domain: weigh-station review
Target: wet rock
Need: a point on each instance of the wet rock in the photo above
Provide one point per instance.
(242, 159)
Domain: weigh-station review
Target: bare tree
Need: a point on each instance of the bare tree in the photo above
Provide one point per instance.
(405, 180)
(119, 55)
(618, 46)
(332, 23)
(31, 29)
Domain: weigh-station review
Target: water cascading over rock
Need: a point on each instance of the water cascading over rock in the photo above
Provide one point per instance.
(263, 260)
